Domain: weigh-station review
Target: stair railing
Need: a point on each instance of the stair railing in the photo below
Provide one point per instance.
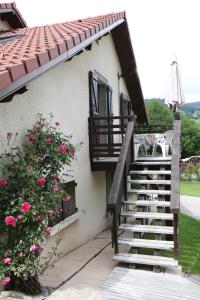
(175, 179)
(119, 184)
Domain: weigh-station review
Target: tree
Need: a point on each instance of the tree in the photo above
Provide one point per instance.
(190, 130)
(158, 112)
(190, 137)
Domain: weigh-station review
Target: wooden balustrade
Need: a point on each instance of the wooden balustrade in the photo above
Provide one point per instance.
(119, 185)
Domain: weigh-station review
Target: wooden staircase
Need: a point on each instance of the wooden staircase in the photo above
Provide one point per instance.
(146, 222)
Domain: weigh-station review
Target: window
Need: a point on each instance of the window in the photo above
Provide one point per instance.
(125, 105)
(100, 104)
(67, 208)
(100, 95)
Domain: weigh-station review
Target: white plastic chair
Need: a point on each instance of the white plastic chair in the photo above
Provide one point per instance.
(139, 141)
(165, 142)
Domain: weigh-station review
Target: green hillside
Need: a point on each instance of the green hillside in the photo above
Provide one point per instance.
(192, 109)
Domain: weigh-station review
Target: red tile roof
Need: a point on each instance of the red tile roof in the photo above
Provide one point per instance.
(40, 45)
(9, 12)
(40, 48)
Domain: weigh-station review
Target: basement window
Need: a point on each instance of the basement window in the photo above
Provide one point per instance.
(68, 209)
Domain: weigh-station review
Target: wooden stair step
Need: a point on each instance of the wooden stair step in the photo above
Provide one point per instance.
(145, 192)
(144, 243)
(147, 203)
(147, 215)
(149, 181)
(153, 158)
(147, 228)
(146, 260)
(151, 172)
(151, 163)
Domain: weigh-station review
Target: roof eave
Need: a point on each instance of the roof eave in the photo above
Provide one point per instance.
(12, 15)
(19, 83)
(123, 45)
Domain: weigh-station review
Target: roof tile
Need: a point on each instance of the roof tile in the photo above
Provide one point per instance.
(38, 45)
(5, 79)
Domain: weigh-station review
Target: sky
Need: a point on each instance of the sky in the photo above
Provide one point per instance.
(158, 28)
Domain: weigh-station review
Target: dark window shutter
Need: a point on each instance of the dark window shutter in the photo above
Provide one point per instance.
(109, 101)
(93, 94)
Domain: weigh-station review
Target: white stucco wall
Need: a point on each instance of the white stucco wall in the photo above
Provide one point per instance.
(64, 91)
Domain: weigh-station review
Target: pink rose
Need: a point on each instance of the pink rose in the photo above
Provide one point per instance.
(40, 251)
(21, 242)
(25, 207)
(32, 138)
(57, 123)
(50, 213)
(33, 248)
(47, 230)
(54, 176)
(5, 281)
(7, 261)
(20, 217)
(67, 198)
(41, 181)
(3, 182)
(48, 141)
(63, 148)
(71, 153)
(38, 218)
(21, 254)
(55, 189)
(54, 181)
(10, 220)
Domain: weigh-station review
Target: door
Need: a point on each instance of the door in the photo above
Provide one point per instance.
(100, 105)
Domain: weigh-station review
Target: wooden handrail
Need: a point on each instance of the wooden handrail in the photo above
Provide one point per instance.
(111, 118)
(119, 184)
(175, 168)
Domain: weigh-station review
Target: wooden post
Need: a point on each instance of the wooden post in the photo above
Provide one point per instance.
(176, 241)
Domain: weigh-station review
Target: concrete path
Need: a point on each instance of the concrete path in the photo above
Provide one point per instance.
(190, 206)
(81, 274)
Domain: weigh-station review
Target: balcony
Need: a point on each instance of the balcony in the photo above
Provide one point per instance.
(106, 135)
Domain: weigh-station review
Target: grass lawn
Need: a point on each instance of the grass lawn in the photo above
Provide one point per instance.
(189, 240)
(190, 188)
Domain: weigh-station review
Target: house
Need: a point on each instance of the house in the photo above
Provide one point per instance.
(83, 71)
(52, 69)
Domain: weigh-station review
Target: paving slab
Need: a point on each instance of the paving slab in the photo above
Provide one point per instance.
(71, 263)
(87, 283)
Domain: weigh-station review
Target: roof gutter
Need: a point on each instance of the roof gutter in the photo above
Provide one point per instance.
(18, 84)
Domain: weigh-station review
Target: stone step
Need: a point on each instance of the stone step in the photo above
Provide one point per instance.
(149, 181)
(147, 215)
(151, 172)
(144, 243)
(146, 260)
(147, 228)
(145, 192)
(148, 203)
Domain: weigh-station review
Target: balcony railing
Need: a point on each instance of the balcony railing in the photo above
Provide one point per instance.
(106, 136)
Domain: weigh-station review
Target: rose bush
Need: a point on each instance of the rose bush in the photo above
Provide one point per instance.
(31, 187)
